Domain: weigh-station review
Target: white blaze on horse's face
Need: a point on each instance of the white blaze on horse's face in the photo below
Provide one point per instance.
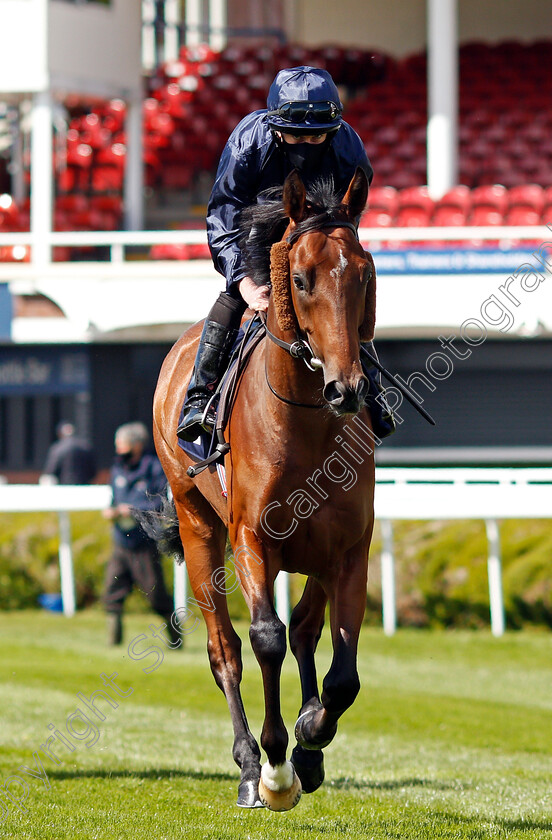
(339, 270)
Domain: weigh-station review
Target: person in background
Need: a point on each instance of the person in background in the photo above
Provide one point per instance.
(70, 460)
(138, 484)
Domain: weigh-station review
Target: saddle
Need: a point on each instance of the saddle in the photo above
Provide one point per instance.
(210, 448)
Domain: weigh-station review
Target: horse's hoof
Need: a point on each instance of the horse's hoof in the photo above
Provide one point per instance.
(304, 726)
(279, 787)
(248, 795)
(309, 766)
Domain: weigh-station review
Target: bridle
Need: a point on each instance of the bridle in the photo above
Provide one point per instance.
(300, 348)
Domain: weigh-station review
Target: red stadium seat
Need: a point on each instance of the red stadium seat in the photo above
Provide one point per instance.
(383, 199)
(527, 195)
(546, 216)
(107, 179)
(80, 155)
(493, 197)
(483, 216)
(522, 216)
(458, 198)
(449, 217)
(413, 216)
(114, 155)
(376, 218)
(416, 197)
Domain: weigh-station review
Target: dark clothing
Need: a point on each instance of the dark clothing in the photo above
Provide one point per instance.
(142, 486)
(72, 461)
(140, 567)
(252, 161)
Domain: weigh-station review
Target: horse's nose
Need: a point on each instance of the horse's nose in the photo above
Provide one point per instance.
(344, 398)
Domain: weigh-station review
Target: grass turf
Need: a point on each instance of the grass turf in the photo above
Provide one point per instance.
(449, 738)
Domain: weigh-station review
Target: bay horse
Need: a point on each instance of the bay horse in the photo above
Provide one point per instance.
(289, 506)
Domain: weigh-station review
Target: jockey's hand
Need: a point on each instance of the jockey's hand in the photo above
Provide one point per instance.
(256, 297)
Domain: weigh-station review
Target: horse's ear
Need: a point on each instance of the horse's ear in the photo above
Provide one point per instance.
(369, 323)
(294, 197)
(357, 193)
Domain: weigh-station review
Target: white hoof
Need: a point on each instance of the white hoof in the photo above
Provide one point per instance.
(279, 786)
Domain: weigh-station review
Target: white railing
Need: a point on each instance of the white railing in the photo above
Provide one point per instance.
(401, 494)
(118, 241)
(458, 493)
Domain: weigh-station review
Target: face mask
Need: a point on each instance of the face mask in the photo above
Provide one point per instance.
(126, 457)
(306, 157)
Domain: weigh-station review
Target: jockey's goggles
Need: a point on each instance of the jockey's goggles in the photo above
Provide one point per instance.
(309, 112)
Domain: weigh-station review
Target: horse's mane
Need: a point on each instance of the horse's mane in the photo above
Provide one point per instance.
(265, 222)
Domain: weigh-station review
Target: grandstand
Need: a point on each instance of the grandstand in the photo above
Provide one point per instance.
(194, 93)
(193, 103)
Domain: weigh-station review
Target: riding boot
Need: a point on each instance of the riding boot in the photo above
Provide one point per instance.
(219, 331)
(173, 633)
(383, 422)
(114, 628)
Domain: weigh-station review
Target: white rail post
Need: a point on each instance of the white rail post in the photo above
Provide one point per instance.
(66, 565)
(494, 565)
(389, 608)
(42, 134)
(282, 596)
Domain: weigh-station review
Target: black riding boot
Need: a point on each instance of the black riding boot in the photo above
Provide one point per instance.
(219, 332)
(383, 422)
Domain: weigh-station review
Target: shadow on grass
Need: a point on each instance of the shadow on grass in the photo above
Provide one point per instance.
(508, 825)
(153, 774)
(345, 783)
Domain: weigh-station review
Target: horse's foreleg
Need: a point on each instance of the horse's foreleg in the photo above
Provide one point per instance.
(317, 723)
(279, 788)
(305, 628)
(204, 552)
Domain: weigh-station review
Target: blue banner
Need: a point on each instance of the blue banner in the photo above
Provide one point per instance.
(6, 311)
(43, 370)
(458, 261)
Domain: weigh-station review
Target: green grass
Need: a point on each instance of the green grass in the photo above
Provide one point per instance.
(449, 738)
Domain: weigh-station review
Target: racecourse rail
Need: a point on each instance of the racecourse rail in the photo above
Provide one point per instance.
(489, 494)
(118, 241)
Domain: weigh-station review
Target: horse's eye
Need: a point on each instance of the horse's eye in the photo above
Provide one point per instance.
(298, 283)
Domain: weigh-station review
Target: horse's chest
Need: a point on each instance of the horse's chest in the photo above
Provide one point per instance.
(317, 517)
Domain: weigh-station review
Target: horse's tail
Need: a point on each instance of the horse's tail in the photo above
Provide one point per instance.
(162, 527)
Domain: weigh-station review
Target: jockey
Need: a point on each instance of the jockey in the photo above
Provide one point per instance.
(301, 128)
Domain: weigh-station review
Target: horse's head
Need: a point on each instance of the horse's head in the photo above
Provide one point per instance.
(331, 284)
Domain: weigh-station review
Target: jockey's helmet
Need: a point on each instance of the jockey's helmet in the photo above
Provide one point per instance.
(304, 100)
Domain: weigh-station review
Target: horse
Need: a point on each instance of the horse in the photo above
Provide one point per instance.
(300, 479)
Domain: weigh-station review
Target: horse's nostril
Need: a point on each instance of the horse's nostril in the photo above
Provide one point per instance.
(362, 389)
(334, 392)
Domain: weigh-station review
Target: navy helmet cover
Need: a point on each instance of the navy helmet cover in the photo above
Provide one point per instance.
(303, 84)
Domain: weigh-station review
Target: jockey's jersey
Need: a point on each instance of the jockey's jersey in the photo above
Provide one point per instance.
(252, 161)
